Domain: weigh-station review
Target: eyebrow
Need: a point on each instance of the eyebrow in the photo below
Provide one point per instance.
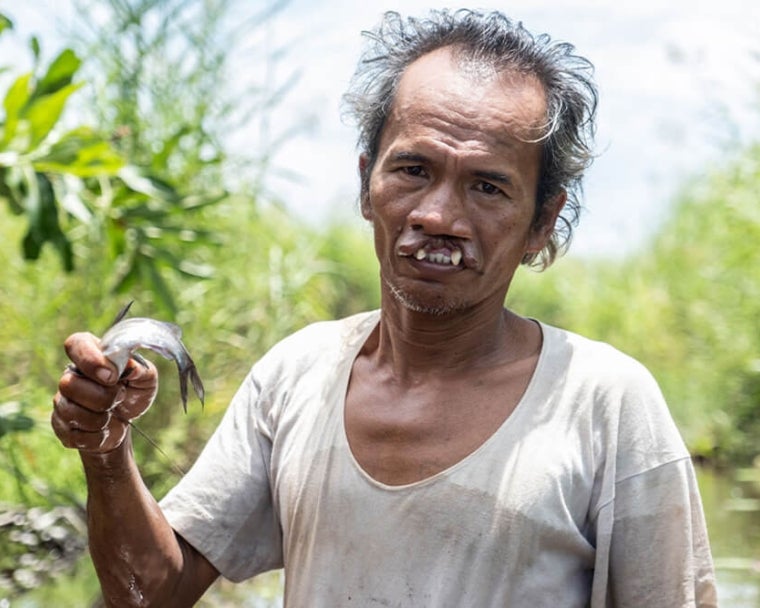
(493, 176)
(411, 156)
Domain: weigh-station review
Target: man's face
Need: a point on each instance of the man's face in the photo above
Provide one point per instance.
(452, 194)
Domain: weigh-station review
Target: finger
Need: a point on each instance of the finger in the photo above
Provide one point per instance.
(61, 429)
(140, 376)
(141, 382)
(84, 351)
(112, 437)
(133, 406)
(75, 417)
(76, 438)
(105, 440)
(135, 402)
(88, 393)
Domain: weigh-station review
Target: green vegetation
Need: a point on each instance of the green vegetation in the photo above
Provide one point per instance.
(143, 208)
(686, 305)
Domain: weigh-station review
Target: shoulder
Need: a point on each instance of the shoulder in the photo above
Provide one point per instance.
(599, 371)
(325, 335)
(315, 346)
(596, 363)
(626, 404)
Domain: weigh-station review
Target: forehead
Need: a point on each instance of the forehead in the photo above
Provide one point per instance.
(468, 95)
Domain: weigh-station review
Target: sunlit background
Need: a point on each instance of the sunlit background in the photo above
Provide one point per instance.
(679, 85)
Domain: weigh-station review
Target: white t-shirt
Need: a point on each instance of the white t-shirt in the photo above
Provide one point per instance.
(584, 496)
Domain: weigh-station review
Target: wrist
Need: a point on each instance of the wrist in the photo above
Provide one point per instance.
(115, 461)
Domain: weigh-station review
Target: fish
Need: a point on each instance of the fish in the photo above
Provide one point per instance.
(125, 336)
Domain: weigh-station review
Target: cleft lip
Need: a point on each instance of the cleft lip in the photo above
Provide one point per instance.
(456, 252)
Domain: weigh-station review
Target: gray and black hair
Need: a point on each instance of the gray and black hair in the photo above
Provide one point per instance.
(490, 37)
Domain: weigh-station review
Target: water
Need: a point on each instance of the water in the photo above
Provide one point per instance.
(732, 509)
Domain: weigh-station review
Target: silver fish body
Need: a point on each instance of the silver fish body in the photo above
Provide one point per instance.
(128, 335)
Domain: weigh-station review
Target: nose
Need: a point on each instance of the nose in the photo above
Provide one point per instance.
(441, 210)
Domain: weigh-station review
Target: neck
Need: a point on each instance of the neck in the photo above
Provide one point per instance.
(416, 344)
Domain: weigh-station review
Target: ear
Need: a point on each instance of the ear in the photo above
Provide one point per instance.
(543, 226)
(364, 171)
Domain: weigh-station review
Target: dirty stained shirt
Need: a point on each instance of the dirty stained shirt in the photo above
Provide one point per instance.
(584, 496)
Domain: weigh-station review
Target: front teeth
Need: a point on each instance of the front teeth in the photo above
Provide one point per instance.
(439, 258)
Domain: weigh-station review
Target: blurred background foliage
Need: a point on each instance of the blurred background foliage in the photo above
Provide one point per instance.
(131, 194)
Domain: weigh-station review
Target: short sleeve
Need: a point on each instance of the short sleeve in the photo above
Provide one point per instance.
(223, 507)
(659, 554)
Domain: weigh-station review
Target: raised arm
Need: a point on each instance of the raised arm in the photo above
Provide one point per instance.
(139, 559)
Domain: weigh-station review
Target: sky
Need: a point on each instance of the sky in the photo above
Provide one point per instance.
(679, 86)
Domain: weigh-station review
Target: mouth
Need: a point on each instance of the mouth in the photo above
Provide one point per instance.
(437, 252)
(442, 257)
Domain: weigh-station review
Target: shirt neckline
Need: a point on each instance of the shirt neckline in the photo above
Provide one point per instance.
(351, 351)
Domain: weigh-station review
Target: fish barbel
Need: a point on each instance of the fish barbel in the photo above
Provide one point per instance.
(127, 335)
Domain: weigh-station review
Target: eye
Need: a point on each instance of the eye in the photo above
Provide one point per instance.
(414, 171)
(489, 189)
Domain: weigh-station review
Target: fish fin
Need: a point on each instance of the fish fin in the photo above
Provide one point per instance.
(122, 313)
(140, 359)
(128, 368)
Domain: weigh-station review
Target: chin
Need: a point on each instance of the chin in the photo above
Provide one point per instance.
(434, 306)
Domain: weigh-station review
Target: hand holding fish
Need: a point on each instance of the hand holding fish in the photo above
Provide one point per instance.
(94, 405)
(136, 552)
(108, 384)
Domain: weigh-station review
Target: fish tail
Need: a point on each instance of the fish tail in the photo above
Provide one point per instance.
(189, 371)
(183, 388)
(197, 385)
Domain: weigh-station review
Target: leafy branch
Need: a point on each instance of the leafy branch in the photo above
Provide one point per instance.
(60, 180)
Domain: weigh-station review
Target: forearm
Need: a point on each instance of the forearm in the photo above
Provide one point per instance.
(137, 556)
(139, 559)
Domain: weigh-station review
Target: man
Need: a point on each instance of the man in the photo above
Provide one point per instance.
(442, 451)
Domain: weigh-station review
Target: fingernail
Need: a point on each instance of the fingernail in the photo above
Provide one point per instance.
(104, 374)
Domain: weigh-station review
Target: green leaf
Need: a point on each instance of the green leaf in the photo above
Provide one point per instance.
(195, 202)
(44, 112)
(154, 187)
(97, 159)
(42, 213)
(197, 271)
(15, 100)
(31, 245)
(59, 74)
(71, 200)
(161, 159)
(83, 153)
(13, 420)
(160, 288)
(128, 275)
(5, 192)
(5, 23)
(182, 234)
(10, 188)
(141, 213)
(34, 44)
(189, 269)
